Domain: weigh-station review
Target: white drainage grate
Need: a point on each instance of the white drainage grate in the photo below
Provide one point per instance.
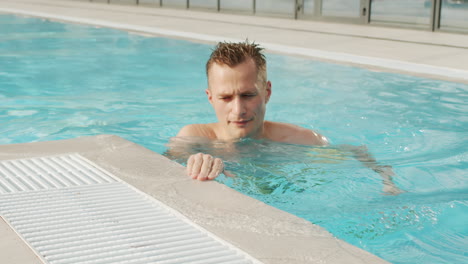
(71, 211)
(49, 173)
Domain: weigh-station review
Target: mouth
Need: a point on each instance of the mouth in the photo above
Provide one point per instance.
(241, 123)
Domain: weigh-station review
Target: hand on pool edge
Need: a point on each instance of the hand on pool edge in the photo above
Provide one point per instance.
(204, 167)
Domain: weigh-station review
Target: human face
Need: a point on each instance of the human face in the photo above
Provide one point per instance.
(239, 99)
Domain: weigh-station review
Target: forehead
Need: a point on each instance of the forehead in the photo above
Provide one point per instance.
(244, 69)
(223, 78)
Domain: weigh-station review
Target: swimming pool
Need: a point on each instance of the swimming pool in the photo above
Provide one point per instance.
(63, 81)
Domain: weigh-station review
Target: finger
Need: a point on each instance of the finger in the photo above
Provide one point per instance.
(216, 169)
(229, 174)
(196, 166)
(190, 162)
(206, 167)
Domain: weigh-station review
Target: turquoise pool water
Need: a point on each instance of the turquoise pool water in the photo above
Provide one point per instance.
(63, 81)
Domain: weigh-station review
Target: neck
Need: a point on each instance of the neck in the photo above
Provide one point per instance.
(224, 135)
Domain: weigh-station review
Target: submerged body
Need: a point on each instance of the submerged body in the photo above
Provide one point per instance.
(238, 90)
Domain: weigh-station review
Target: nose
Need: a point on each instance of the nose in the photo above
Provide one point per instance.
(238, 107)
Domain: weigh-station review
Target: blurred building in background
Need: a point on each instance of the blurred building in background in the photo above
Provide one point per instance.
(435, 15)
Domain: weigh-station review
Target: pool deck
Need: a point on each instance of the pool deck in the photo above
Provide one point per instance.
(266, 233)
(439, 55)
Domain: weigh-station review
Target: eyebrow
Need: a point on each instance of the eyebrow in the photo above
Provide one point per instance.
(247, 91)
(224, 93)
(232, 94)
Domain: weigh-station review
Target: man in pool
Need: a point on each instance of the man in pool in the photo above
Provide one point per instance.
(238, 90)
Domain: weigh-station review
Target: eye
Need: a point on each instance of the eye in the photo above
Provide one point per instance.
(249, 95)
(225, 98)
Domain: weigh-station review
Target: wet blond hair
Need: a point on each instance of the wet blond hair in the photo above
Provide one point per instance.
(233, 54)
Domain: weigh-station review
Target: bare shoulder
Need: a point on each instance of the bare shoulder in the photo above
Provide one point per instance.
(289, 133)
(197, 130)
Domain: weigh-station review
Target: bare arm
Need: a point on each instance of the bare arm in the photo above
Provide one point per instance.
(362, 154)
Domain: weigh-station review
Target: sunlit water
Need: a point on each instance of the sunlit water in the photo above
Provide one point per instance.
(63, 81)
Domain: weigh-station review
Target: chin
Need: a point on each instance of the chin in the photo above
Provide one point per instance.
(240, 134)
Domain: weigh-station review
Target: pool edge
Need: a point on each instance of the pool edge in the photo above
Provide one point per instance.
(266, 233)
(13, 248)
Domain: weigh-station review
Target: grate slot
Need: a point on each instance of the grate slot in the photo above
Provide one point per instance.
(158, 242)
(85, 165)
(75, 219)
(10, 178)
(142, 249)
(17, 170)
(169, 233)
(105, 193)
(179, 255)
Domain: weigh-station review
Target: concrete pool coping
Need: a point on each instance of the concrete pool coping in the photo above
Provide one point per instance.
(13, 249)
(264, 232)
(438, 55)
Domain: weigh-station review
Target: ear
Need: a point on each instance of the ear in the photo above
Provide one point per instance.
(209, 95)
(268, 92)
